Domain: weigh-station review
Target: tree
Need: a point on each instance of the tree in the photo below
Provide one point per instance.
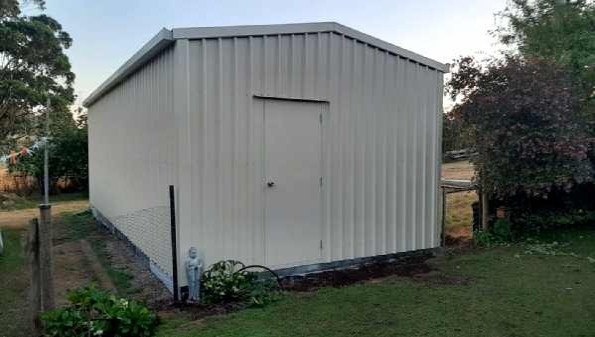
(528, 134)
(68, 156)
(561, 31)
(456, 135)
(33, 68)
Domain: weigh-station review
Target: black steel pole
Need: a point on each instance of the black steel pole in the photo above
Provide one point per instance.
(174, 246)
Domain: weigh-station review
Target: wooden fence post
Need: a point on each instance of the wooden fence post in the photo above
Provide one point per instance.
(45, 257)
(1, 244)
(34, 262)
(485, 211)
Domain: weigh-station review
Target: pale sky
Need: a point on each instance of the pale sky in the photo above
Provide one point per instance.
(107, 32)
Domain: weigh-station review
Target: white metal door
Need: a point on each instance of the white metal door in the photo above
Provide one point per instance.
(293, 168)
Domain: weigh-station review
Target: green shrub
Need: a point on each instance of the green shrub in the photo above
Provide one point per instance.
(536, 222)
(263, 292)
(97, 313)
(502, 229)
(224, 282)
(484, 239)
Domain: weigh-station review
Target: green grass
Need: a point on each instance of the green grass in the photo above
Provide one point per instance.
(14, 317)
(34, 200)
(508, 293)
(82, 226)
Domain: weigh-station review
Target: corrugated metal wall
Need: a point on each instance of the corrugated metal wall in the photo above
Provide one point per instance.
(381, 142)
(132, 157)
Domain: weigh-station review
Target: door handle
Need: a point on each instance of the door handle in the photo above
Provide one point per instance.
(270, 183)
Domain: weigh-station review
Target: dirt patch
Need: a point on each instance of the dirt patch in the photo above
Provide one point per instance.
(144, 286)
(20, 218)
(71, 270)
(462, 236)
(99, 272)
(199, 311)
(405, 267)
(86, 252)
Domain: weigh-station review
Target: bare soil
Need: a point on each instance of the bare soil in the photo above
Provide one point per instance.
(71, 270)
(404, 267)
(20, 218)
(109, 262)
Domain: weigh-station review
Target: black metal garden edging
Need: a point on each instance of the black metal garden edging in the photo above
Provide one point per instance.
(174, 246)
(277, 278)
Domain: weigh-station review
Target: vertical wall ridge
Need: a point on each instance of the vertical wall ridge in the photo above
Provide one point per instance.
(379, 143)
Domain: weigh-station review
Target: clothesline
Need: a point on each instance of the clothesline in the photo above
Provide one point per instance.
(12, 157)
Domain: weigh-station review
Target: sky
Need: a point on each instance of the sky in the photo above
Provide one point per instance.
(107, 32)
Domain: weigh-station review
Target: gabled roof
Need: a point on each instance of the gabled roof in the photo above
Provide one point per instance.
(166, 37)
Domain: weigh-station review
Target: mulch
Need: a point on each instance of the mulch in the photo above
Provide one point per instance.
(404, 267)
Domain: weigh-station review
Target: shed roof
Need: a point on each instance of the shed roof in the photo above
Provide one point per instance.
(166, 37)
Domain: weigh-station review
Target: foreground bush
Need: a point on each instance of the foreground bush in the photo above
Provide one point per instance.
(227, 281)
(97, 313)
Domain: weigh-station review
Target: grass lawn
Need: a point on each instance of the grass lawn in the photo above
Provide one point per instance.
(14, 281)
(523, 290)
(544, 287)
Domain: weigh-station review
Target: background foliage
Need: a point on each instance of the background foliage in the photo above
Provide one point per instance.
(527, 131)
(68, 156)
(33, 68)
(560, 31)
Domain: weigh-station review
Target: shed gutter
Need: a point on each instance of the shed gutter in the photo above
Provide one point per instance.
(167, 37)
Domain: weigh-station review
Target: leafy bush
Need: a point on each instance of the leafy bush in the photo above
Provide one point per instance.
(502, 229)
(535, 222)
(98, 313)
(484, 239)
(526, 125)
(263, 292)
(224, 281)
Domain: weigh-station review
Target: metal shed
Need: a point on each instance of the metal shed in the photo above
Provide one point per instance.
(289, 145)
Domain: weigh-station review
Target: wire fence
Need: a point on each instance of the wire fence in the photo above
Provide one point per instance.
(149, 232)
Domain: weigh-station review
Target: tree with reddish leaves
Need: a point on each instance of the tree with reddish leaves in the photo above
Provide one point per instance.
(525, 122)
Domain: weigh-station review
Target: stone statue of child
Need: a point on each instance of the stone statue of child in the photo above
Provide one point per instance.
(193, 273)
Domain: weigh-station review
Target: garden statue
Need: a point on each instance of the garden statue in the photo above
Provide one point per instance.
(193, 273)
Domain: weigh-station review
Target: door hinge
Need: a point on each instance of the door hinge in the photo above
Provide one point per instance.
(320, 181)
(321, 118)
(320, 244)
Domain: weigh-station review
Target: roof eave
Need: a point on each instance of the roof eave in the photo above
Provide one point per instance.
(158, 43)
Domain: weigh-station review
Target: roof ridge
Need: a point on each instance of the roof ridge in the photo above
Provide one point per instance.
(166, 37)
